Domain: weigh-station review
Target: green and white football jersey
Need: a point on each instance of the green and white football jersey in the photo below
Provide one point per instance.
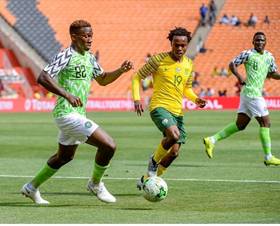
(257, 67)
(74, 73)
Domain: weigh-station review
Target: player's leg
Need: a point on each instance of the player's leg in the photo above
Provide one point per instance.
(172, 134)
(64, 155)
(243, 119)
(240, 124)
(164, 151)
(172, 127)
(178, 134)
(259, 110)
(264, 133)
(168, 159)
(106, 148)
(167, 124)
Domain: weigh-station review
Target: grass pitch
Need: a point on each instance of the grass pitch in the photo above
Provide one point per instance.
(234, 187)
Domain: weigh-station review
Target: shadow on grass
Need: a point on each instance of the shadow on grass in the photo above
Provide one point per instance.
(24, 204)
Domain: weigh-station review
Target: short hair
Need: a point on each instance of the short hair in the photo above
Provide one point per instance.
(258, 33)
(179, 31)
(77, 25)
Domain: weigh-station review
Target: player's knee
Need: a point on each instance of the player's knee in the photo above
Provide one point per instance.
(175, 137)
(110, 146)
(66, 159)
(241, 127)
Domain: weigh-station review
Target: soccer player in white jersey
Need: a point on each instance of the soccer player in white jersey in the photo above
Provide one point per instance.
(259, 65)
(74, 68)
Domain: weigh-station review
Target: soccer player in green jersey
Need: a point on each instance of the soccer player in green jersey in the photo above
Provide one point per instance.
(259, 65)
(74, 68)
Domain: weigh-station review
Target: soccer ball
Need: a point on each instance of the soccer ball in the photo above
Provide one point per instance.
(154, 189)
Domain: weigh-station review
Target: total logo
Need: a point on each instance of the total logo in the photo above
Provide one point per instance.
(38, 105)
(211, 104)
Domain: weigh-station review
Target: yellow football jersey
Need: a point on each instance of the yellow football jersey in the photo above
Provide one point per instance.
(171, 79)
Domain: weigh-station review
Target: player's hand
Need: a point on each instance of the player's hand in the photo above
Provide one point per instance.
(138, 107)
(200, 102)
(74, 101)
(126, 66)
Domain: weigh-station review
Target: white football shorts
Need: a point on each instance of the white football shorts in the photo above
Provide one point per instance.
(74, 129)
(253, 107)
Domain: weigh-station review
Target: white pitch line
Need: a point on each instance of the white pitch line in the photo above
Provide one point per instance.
(168, 179)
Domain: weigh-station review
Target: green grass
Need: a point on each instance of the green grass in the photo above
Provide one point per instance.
(234, 187)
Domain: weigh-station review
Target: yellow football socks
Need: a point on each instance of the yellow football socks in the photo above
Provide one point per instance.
(161, 169)
(159, 153)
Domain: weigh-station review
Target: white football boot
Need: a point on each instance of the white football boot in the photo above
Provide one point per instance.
(34, 194)
(101, 192)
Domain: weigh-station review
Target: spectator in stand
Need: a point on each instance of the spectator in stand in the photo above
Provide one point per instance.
(2, 88)
(223, 72)
(252, 20)
(49, 95)
(222, 93)
(195, 82)
(212, 13)
(148, 81)
(215, 71)
(202, 93)
(203, 12)
(148, 56)
(224, 19)
(266, 20)
(209, 92)
(234, 21)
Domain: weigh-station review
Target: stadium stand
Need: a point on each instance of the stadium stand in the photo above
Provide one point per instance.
(129, 29)
(123, 29)
(33, 26)
(16, 79)
(225, 42)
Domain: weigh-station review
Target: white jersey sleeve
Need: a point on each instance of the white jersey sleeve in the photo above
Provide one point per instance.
(242, 57)
(59, 62)
(97, 69)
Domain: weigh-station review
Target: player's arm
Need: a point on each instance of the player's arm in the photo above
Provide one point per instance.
(189, 93)
(233, 69)
(48, 82)
(272, 72)
(109, 77)
(149, 68)
(274, 75)
(240, 59)
(136, 80)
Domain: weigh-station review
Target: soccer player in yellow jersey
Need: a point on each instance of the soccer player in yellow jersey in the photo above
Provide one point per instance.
(172, 80)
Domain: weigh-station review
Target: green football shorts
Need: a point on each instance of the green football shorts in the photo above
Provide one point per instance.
(164, 119)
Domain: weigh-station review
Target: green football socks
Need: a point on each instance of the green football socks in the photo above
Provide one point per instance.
(225, 132)
(44, 174)
(265, 140)
(98, 172)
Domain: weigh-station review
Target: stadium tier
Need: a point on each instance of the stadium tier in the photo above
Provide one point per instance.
(225, 42)
(18, 81)
(129, 29)
(122, 30)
